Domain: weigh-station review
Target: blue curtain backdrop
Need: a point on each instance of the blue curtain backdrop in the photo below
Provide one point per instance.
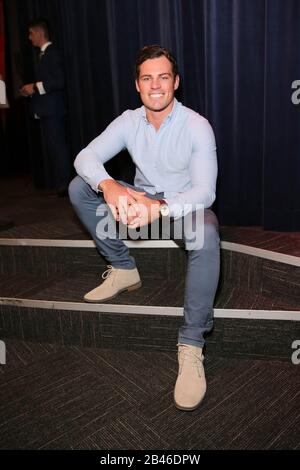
(238, 60)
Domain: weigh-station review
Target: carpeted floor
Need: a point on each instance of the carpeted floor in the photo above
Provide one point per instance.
(59, 397)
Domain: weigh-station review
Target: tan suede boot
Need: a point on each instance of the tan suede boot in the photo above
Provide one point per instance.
(116, 281)
(190, 386)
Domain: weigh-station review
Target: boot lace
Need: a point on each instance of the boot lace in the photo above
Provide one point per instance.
(108, 272)
(185, 354)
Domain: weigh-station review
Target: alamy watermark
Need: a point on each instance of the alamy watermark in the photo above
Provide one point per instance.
(296, 354)
(296, 94)
(2, 353)
(189, 227)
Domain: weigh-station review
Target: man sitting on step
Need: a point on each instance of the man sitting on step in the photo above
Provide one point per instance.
(174, 151)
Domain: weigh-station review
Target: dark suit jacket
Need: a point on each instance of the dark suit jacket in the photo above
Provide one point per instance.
(50, 71)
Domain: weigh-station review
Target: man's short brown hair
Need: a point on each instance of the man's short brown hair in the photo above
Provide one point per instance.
(153, 52)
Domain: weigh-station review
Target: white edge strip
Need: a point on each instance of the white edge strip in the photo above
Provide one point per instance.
(248, 250)
(260, 253)
(149, 310)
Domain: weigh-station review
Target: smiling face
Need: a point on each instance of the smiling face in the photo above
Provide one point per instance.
(156, 85)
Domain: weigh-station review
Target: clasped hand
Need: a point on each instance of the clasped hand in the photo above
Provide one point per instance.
(27, 90)
(130, 207)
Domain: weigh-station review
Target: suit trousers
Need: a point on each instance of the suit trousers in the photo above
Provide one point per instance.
(203, 262)
(57, 165)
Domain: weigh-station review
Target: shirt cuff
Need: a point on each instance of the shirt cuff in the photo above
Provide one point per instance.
(102, 179)
(179, 209)
(96, 180)
(40, 88)
(176, 209)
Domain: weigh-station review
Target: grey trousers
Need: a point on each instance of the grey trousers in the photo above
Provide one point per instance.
(203, 261)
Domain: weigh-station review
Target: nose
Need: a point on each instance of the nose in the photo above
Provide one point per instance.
(155, 83)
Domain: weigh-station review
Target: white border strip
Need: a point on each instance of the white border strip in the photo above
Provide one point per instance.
(260, 253)
(248, 250)
(83, 243)
(148, 310)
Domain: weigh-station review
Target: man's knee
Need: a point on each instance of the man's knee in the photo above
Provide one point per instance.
(211, 235)
(202, 231)
(77, 190)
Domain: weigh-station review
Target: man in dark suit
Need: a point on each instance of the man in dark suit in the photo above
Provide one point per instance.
(47, 106)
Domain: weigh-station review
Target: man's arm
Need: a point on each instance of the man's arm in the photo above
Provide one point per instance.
(53, 76)
(89, 164)
(203, 170)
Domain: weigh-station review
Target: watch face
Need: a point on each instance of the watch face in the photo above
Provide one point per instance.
(164, 210)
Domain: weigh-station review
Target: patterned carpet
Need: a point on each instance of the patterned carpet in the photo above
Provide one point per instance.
(167, 293)
(58, 397)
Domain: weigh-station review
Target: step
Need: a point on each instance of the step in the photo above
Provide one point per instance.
(42, 284)
(164, 294)
(236, 332)
(259, 274)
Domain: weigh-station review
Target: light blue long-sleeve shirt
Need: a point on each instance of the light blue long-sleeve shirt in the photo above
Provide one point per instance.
(179, 159)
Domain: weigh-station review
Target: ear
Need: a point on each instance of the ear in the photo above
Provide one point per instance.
(137, 86)
(176, 82)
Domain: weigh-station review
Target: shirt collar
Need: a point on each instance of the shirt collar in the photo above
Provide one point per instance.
(168, 117)
(44, 46)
